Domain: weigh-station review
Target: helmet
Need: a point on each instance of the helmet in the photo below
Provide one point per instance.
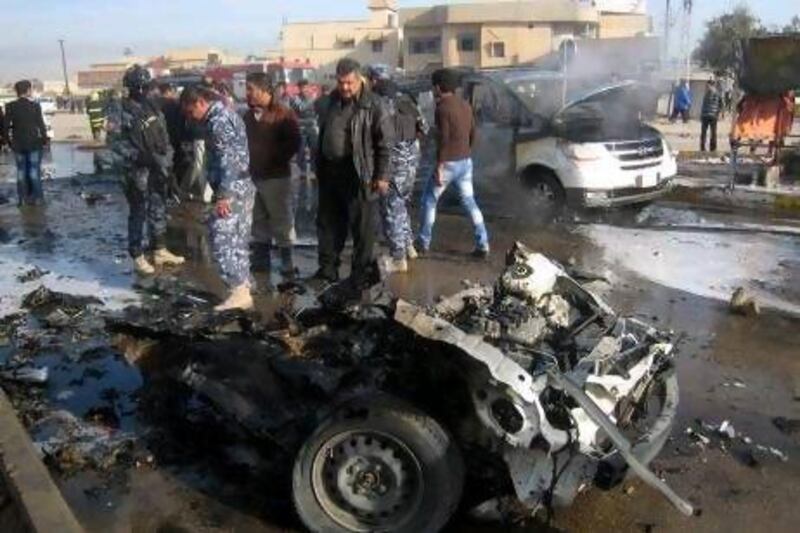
(377, 72)
(136, 78)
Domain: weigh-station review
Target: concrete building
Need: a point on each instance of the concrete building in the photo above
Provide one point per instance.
(492, 34)
(623, 18)
(373, 40)
(109, 74)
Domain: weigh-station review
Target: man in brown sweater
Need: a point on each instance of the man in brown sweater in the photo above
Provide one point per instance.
(455, 126)
(273, 136)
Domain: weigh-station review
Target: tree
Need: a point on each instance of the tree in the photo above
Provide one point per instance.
(794, 25)
(717, 49)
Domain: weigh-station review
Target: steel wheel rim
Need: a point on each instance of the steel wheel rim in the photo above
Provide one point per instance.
(542, 191)
(366, 480)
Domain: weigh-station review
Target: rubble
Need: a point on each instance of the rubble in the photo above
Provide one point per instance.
(25, 374)
(33, 274)
(743, 303)
(71, 444)
(44, 301)
(786, 426)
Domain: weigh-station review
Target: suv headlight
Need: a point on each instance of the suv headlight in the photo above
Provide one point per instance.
(583, 152)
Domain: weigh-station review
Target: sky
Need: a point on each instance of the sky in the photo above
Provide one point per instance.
(98, 30)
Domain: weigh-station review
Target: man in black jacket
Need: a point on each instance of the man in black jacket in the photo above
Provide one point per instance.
(356, 134)
(25, 131)
(712, 104)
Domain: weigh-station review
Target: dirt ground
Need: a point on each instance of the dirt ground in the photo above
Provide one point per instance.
(673, 264)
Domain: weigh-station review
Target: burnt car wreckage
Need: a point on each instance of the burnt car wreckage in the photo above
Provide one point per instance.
(528, 390)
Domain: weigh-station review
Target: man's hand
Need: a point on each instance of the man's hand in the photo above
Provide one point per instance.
(438, 176)
(381, 186)
(223, 208)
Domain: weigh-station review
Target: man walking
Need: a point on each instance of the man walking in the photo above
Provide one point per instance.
(353, 170)
(230, 222)
(273, 137)
(712, 105)
(138, 139)
(404, 159)
(25, 131)
(455, 127)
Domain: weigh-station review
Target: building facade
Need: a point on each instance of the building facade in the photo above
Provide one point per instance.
(492, 34)
(373, 40)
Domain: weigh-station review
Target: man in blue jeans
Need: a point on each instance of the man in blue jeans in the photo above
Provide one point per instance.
(25, 131)
(455, 127)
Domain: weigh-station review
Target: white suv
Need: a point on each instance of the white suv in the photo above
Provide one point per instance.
(595, 151)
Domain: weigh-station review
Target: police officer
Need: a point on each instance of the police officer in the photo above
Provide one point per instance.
(304, 108)
(139, 143)
(96, 111)
(403, 160)
(231, 218)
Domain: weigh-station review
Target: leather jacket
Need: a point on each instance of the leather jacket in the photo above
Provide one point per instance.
(372, 134)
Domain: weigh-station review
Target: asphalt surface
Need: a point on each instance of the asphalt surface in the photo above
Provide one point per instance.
(672, 264)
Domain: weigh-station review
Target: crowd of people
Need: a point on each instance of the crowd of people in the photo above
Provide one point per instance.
(361, 141)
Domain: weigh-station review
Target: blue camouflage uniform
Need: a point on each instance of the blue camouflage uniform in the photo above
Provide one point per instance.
(404, 160)
(229, 177)
(306, 113)
(145, 170)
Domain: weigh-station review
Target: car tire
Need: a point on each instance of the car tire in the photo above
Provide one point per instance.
(545, 188)
(378, 465)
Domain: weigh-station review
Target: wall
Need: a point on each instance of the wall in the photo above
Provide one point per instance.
(322, 43)
(418, 62)
(623, 25)
(523, 43)
(452, 56)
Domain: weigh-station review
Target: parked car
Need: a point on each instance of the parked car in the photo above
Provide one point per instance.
(594, 150)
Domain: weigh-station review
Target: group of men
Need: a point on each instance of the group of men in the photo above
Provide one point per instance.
(361, 141)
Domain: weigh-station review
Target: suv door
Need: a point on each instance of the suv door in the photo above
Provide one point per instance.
(493, 153)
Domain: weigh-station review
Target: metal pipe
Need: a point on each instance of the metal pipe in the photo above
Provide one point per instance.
(622, 444)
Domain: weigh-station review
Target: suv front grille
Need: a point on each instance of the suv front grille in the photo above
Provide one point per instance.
(637, 154)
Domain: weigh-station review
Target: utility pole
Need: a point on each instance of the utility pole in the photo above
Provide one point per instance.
(64, 67)
(666, 34)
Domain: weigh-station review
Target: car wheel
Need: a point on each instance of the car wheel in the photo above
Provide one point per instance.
(378, 466)
(544, 189)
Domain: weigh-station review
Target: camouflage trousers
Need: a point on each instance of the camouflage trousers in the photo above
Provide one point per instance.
(146, 192)
(394, 205)
(230, 236)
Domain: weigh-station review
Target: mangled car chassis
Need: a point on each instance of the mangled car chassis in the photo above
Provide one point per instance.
(531, 389)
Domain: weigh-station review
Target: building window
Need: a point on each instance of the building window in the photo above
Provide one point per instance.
(467, 42)
(497, 49)
(345, 42)
(377, 47)
(424, 45)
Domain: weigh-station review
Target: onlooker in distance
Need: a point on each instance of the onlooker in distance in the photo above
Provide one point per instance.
(712, 105)
(682, 102)
(25, 131)
(304, 107)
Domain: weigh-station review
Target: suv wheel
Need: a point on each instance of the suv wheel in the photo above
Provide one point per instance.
(378, 466)
(544, 189)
